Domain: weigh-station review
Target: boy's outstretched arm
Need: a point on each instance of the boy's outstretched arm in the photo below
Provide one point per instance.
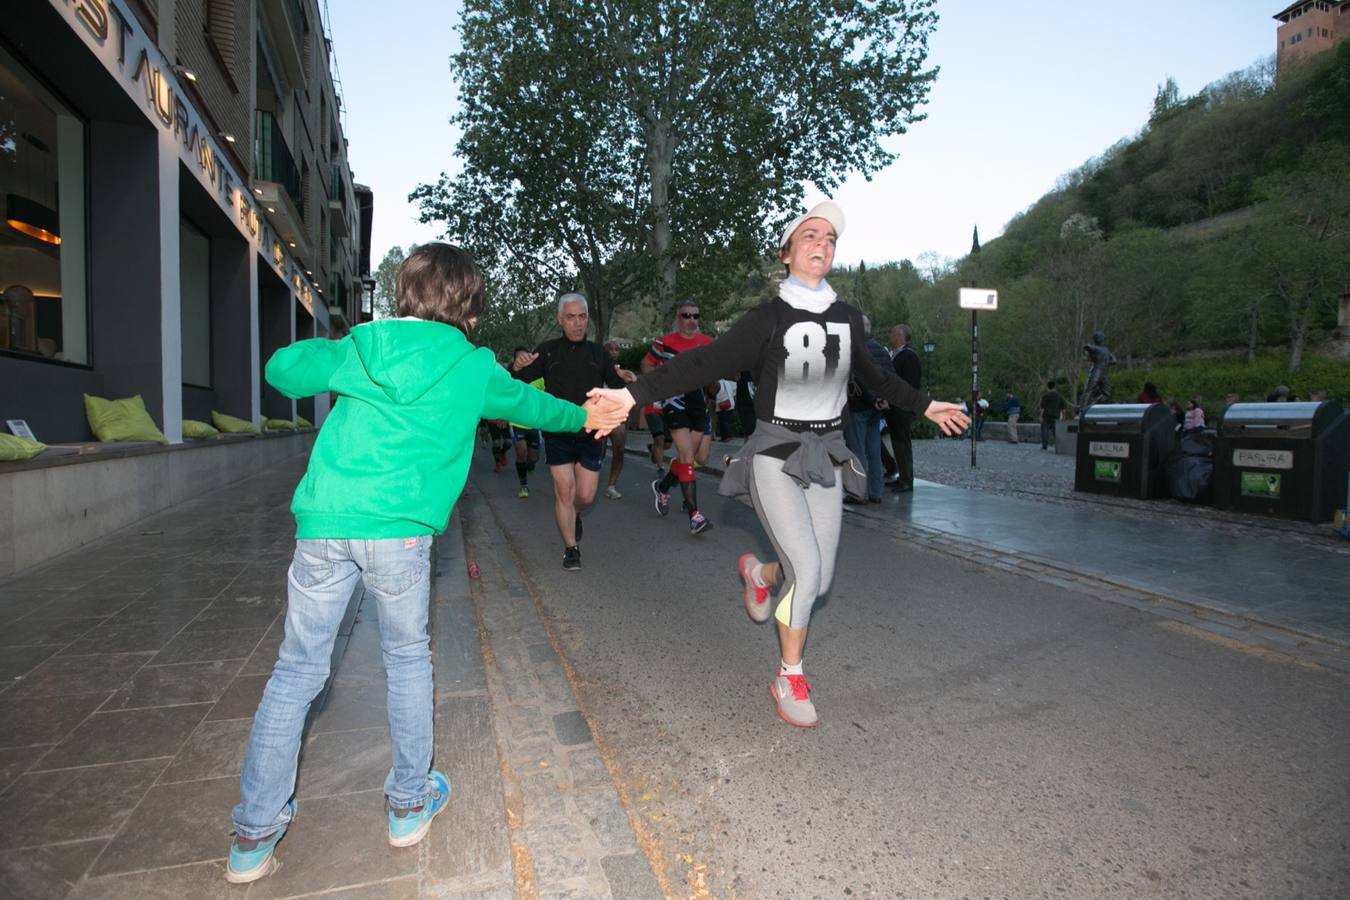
(506, 398)
(305, 368)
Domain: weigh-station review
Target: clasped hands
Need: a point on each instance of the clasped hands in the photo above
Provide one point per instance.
(606, 409)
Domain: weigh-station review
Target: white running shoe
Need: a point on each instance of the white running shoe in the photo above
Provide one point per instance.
(612, 493)
(791, 693)
(756, 598)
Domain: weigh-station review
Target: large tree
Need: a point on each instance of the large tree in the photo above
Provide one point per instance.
(1301, 241)
(643, 146)
(386, 274)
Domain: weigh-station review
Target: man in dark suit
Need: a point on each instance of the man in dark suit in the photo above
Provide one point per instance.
(908, 367)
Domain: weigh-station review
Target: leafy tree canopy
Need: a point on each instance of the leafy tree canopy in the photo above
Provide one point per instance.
(636, 149)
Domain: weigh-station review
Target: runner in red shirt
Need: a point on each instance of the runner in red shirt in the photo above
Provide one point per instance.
(684, 417)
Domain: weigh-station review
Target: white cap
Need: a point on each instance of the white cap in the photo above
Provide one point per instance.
(825, 209)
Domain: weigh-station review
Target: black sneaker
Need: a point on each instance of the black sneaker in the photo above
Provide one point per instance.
(572, 559)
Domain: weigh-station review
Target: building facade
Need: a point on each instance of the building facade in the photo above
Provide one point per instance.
(178, 205)
(1309, 27)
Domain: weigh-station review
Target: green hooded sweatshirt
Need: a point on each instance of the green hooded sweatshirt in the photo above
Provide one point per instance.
(392, 457)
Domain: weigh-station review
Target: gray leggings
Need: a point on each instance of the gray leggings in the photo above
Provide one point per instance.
(803, 526)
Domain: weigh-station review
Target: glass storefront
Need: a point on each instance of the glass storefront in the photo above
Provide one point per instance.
(194, 281)
(43, 299)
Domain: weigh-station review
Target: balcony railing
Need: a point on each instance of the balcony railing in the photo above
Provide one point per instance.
(272, 160)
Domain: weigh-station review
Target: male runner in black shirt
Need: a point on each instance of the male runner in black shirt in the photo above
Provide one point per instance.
(570, 366)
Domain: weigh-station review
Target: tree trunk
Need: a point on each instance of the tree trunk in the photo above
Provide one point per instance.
(660, 152)
(1253, 320)
(1298, 339)
(597, 301)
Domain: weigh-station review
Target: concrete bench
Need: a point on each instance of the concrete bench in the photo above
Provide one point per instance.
(75, 493)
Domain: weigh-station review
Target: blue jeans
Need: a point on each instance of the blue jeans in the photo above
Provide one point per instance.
(322, 577)
(862, 434)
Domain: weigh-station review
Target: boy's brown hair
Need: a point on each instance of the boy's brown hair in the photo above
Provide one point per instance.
(440, 283)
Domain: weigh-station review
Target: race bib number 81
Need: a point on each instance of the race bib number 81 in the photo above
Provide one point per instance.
(813, 350)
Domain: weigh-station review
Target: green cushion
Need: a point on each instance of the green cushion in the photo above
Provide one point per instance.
(231, 425)
(279, 424)
(13, 447)
(121, 420)
(302, 422)
(198, 430)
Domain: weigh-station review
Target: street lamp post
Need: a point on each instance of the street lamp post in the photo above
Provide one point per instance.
(928, 348)
(975, 299)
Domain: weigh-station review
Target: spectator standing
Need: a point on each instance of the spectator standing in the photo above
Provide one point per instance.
(899, 422)
(1149, 394)
(862, 432)
(1013, 407)
(1052, 410)
(1195, 415)
(745, 402)
(726, 408)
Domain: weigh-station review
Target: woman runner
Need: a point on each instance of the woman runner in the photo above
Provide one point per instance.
(801, 348)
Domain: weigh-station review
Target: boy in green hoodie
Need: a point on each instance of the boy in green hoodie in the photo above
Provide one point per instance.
(384, 474)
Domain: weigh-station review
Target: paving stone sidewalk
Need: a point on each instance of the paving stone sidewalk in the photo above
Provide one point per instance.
(569, 831)
(131, 671)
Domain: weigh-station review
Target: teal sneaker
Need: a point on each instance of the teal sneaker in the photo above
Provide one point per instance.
(408, 826)
(252, 859)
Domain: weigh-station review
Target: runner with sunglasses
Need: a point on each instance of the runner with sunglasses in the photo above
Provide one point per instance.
(684, 417)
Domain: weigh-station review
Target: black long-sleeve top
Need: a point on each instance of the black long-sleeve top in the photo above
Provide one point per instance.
(800, 362)
(906, 363)
(571, 368)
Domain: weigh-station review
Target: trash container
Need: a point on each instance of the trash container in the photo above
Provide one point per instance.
(1283, 459)
(1122, 448)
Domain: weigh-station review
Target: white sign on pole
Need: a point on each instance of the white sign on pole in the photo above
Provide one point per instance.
(979, 298)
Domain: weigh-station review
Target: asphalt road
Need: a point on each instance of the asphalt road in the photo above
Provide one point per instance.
(982, 734)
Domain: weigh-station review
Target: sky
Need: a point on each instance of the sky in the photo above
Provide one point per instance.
(1027, 92)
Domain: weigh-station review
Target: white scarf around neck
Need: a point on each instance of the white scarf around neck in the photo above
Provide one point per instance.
(799, 296)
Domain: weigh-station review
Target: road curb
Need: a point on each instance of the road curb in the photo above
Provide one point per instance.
(570, 833)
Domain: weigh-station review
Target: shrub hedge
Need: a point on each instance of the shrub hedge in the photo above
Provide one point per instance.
(1214, 378)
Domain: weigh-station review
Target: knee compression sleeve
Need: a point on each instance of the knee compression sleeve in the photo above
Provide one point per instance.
(683, 472)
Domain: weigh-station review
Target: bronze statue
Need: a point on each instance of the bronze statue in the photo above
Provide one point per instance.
(1098, 381)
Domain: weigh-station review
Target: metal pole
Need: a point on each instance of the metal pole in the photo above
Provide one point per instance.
(974, 377)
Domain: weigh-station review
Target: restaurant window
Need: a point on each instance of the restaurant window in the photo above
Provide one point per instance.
(194, 283)
(43, 305)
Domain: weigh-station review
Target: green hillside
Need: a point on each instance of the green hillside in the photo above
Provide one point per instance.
(1221, 231)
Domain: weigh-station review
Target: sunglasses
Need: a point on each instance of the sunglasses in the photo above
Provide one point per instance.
(688, 315)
